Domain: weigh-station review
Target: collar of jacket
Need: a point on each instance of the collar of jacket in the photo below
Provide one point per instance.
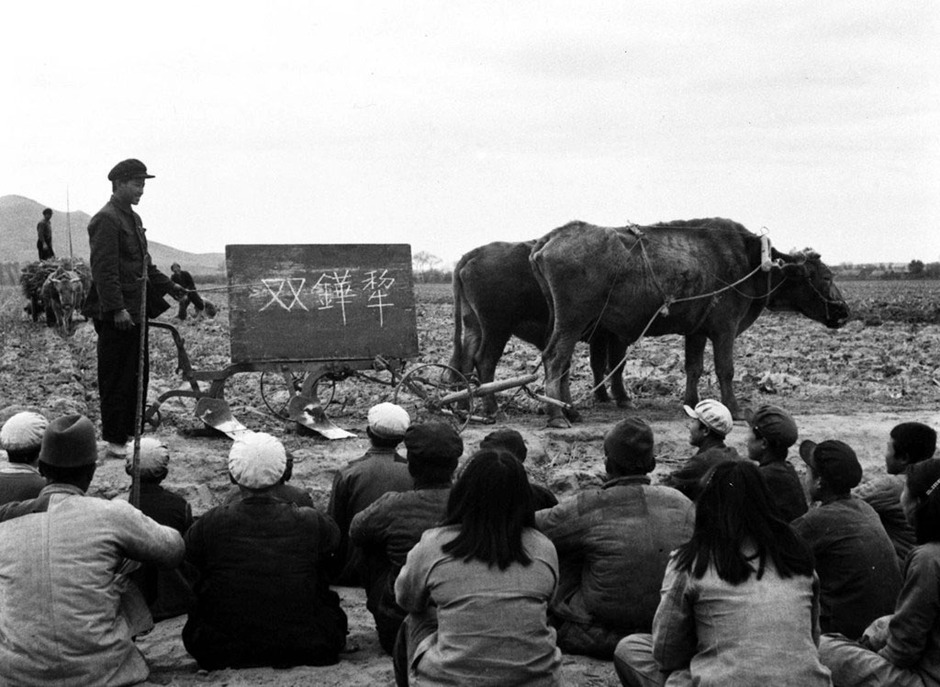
(710, 442)
(61, 488)
(624, 481)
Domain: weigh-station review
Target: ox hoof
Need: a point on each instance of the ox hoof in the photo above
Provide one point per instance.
(558, 423)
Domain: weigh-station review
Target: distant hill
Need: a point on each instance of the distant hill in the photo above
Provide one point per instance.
(18, 219)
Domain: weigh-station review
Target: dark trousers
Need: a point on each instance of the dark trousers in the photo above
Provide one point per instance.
(193, 298)
(118, 357)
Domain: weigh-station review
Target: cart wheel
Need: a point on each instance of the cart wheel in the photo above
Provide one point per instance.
(425, 393)
(278, 388)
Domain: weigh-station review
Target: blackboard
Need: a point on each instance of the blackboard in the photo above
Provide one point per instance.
(320, 302)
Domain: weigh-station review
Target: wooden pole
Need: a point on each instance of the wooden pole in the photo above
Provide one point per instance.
(141, 391)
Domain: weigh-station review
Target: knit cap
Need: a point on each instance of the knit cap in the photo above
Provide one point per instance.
(23, 431)
(257, 460)
(154, 457)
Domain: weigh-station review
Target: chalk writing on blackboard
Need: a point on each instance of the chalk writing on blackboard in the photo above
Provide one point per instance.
(294, 285)
(333, 290)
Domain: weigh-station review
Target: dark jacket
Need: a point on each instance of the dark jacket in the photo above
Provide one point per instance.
(283, 491)
(785, 488)
(386, 531)
(118, 255)
(688, 478)
(859, 578)
(262, 598)
(884, 495)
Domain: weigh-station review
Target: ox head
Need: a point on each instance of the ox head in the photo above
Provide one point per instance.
(64, 292)
(807, 288)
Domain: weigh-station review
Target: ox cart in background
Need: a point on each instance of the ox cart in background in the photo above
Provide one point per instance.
(308, 317)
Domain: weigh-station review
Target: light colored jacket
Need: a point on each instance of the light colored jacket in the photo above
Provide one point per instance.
(63, 618)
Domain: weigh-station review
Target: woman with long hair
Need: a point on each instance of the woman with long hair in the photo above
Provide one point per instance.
(902, 649)
(740, 601)
(477, 587)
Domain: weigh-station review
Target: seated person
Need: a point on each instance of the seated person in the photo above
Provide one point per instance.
(364, 480)
(613, 544)
(387, 529)
(21, 438)
(168, 592)
(909, 443)
(477, 588)
(772, 433)
(739, 602)
(710, 423)
(902, 650)
(858, 571)
(510, 440)
(262, 597)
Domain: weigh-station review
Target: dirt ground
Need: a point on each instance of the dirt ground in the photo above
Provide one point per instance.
(853, 384)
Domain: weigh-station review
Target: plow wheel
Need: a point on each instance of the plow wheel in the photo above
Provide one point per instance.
(436, 392)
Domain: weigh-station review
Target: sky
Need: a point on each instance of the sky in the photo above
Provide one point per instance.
(450, 124)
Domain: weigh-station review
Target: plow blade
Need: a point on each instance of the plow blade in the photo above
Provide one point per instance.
(215, 413)
(308, 413)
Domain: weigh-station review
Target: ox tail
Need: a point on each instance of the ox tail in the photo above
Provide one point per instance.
(535, 262)
(457, 359)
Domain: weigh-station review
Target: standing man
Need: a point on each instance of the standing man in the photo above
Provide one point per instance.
(185, 279)
(119, 259)
(44, 236)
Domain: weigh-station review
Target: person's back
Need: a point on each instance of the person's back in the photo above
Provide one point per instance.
(857, 567)
(63, 573)
(613, 544)
(262, 597)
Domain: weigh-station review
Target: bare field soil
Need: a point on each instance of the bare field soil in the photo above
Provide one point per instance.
(853, 384)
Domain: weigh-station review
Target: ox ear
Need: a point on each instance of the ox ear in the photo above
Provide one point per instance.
(799, 257)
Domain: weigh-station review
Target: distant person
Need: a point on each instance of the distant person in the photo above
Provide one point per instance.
(477, 588)
(167, 591)
(68, 613)
(739, 600)
(909, 443)
(859, 578)
(388, 529)
(44, 236)
(382, 469)
(511, 440)
(613, 544)
(710, 422)
(773, 432)
(185, 280)
(262, 596)
(21, 437)
(119, 258)
(903, 649)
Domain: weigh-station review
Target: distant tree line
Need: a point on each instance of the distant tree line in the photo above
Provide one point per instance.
(428, 269)
(915, 269)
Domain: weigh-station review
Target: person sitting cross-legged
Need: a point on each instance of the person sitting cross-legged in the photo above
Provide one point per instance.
(510, 440)
(858, 571)
(613, 544)
(909, 443)
(21, 438)
(739, 599)
(903, 649)
(477, 588)
(388, 529)
(262, 597)
(710, 423)
(68, 613)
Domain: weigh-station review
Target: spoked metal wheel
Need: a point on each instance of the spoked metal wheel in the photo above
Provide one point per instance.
(278, 388)
(436, 392)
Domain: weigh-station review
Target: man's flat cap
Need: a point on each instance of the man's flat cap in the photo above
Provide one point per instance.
(129, 169)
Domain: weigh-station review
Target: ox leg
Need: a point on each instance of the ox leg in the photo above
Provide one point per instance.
(557, 363)
(616, 355)
(466, 345)
(694, 364)
(724, 369)
(490, 351)
(598, 348)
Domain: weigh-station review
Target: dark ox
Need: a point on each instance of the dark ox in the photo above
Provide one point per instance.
(622, 277)
(64, 292)
(496, 296)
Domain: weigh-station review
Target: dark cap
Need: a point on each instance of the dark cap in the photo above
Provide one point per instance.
(129, 169)
(47, 212)
(773, 424)
(508, 440)
(69, 442)
(834, 461)
(629, 445)
(433, 442)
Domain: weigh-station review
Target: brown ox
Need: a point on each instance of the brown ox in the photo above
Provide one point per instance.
(64, 293)
(700, 278)
(496, 296)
